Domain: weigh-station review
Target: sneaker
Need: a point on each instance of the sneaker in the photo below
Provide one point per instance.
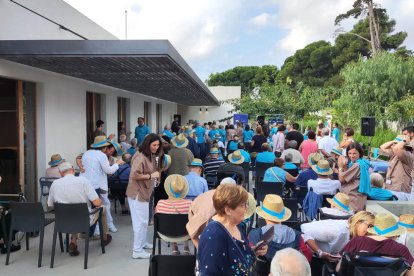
(148, 246)
(112, 229)
(141, 255)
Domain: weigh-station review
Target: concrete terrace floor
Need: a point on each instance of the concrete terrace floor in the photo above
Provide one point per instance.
(116, 261)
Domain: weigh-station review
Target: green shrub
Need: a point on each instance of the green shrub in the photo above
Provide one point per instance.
(381, 136)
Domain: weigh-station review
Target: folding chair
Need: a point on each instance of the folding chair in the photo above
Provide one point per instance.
(295, 220)
(28, 217)
(45, 184)
(117, 187)
(246, 169)
(166, 265)
(211, 181)
(261, 168)
(170, 228)
(264, 188)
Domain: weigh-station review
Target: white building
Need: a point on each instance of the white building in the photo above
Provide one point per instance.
(54, 85)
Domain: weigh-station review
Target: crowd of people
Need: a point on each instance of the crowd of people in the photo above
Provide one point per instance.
(197, 170)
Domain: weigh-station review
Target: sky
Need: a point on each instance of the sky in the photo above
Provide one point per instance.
(217, 35)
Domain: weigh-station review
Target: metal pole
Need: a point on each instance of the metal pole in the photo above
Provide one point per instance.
(126, 24)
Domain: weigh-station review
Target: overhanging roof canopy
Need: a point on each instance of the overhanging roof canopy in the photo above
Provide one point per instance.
(149, 67)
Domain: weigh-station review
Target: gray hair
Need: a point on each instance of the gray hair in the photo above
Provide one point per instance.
(288, 157)
(65, 166)
(134, 142)
(228, 180)
(122, 137)
(289, 262)
(292, 144)
(377, 180)
(325, 131)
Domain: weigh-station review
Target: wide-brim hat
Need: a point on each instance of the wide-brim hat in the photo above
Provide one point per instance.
(100, 141)
(313, 158)
(337, 151)
(55, 160)
(322, 168)
(341, 202)
(188, 130)
(176, 186)
(214, 151)
(236, 157)
(167, 162)
(179, 141)
(196, 163)
(273, 209)
(407, 221)
(251, 206)
(118, 148)
(386, 225)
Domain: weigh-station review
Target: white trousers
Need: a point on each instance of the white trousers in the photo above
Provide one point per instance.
(139, 215)
(107, 204)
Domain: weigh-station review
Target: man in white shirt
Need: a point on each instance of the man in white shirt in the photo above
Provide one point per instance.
(96, 169)
(323, 184)
(327, 143)
(72, 189)
(297, 158)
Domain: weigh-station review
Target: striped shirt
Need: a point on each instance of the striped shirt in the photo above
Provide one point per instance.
(173, 206)
(211, 166)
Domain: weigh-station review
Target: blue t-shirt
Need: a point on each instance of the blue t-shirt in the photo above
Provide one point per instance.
(246, 155)
(290, 166)
(335, 133)
(273, 131)
(379, 194)
(265, 157)
(132, 151)
(248, 135)
(269, 175)
(141, 132)
(212, 133)
(200, 133)
(168, 133)
(304, 176)
(223, 135)
(232, 145)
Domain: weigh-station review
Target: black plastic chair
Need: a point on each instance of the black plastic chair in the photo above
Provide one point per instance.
(28, 217)
(166, 265)
(117, 187)
(45, 184)
(169, 225)
(295, 220)
(246, 169)
(74, 218)
(265, 188)
(211, 181)
(261, 168)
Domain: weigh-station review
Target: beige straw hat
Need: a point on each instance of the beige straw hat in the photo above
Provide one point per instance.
(179, 141)
(251, 208)
(386, 225)
(322, 167)
(313, 158)
(337, 151)
(99, 142)
(55, 160)
(407, 221)
(273, 209)
(236, 157)
(341, 202)
(176, 186)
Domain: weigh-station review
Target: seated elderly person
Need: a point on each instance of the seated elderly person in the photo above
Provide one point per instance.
(290, 262)
(305, 175)
(77, 189)
(213, 163)
(120, 180)
(232, 169)
(339, 207)
(277, 173)
(297, 157)
(123, 143)
(53, 171)
(378, 192)
(382, 240)
(176, 187)
(266, 156)
(245, 153)
(232, 144)
(133, 149)
(274, 213)
(197, 184)
(288, 162)
(323, 184)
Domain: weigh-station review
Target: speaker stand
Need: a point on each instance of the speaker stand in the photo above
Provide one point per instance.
(369, 148)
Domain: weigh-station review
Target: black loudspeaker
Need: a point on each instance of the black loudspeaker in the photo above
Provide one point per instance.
(178, 116)
(368, 126)
(261, 120)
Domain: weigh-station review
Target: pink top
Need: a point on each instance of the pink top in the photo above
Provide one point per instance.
(308, 147)
(176, 206)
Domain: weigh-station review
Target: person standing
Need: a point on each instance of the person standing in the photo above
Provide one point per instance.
(145, 173)
(336, 132)
(181, 156)
(141, 130)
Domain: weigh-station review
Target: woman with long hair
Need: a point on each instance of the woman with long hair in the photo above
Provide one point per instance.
(146, 165)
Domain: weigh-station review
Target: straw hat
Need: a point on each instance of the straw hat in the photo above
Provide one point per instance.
(55, 160)
(118, 148)
(188, 130)
(179, 141)
(407, 221)
(400, 138)
(167, 162)
(176, 186)
(236, 157)
(196, 163)
(314, 158)
(337, 151)
(386, 225)
(341, 202)
(322, 168)
(273, 209)
(214, 151)
(251, 206)
(100, 141)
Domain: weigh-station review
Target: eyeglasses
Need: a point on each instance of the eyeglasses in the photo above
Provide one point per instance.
(367, 223)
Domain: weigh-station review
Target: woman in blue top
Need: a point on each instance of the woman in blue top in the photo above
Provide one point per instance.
(224, 249)
(277, 173)
(247, 134)
(266, 156)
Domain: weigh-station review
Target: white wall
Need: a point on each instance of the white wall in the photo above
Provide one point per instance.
(17, 23)
(214, 112)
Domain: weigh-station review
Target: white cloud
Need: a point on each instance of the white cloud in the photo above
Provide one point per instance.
(261, 20)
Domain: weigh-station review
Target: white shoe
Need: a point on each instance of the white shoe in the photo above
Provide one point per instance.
(148, 246)
(141, 255)
(112, 229)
